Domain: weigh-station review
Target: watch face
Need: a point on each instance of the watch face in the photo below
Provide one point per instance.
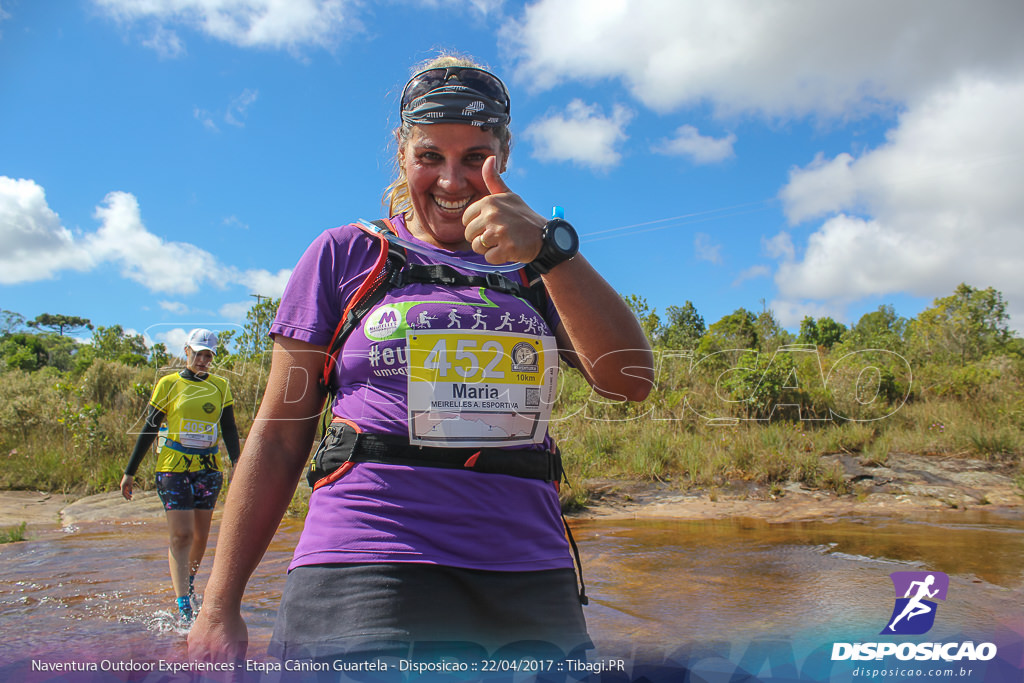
(564, 238)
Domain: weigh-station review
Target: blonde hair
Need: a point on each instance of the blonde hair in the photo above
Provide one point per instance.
(396, 195)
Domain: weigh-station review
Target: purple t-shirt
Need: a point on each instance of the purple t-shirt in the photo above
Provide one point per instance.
(392, 513)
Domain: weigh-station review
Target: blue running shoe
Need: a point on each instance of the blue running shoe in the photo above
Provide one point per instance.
(185, 610)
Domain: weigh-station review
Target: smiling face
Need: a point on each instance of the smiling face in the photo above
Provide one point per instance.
(442, 163)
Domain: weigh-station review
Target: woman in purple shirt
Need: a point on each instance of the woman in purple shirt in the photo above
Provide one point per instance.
(435, 515)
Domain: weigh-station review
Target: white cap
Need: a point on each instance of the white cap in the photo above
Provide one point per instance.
(202, 340)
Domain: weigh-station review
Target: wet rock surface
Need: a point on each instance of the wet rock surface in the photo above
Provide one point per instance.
(39, 509)
(901, 484)
(112, 505)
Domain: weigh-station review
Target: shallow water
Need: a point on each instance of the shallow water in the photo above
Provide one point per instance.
(664, 583)
(102, 589)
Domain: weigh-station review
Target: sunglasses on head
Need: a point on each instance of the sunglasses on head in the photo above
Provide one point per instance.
(483, 82)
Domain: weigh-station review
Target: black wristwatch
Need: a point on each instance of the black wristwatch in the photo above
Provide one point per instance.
(560, 244)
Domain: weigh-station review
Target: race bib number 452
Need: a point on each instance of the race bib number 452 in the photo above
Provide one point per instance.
(478, 389)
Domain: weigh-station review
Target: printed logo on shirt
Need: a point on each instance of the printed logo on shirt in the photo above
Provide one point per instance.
(382, 323)
(391, 321)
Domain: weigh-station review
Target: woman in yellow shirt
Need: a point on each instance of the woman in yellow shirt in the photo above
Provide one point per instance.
(196, 406)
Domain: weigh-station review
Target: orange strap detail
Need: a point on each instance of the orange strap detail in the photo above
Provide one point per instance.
(350, 423)
(335, 475)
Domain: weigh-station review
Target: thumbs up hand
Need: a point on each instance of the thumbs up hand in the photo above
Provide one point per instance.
(492, 179)
(501, 225)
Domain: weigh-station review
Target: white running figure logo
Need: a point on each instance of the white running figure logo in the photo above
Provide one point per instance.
(915, 607)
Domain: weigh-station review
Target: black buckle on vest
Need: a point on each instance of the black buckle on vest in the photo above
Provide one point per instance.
(499, 283)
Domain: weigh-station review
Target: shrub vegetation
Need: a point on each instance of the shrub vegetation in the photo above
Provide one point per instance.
(739, 400)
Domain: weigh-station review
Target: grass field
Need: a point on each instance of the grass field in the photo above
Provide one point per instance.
(73, 434)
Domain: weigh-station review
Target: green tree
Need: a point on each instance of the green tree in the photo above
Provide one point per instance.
(226, 359)
(113, 343)
(255, 340)
(648, 318)
(824, 332)
(770, 333)
(23, 351)
(962, 327)
(761, 383)
(881, 329)
(808, 331)
(60, 323)
(224, 338)
(159, 356)
(830, 332)
(62, 352)
(683, 327)
(734, 331)
(10, 322)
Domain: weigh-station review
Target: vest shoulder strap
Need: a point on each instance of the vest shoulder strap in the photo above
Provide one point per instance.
(389, 262)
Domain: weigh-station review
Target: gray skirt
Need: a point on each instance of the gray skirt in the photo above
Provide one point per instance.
(421, 611)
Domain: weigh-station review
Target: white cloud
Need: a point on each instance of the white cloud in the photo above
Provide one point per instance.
(752, 273)
(239, 107)
(235, 310)
(246, 23)
(234, 114)
(205, 118)
(483, 7)
(174, 339)
(264, 282)
(235, 221)
(786, 57)
(705, 250)
(582, 135)
(35, 244)
(819, 187)
(780, 246)
(701, 149)
(174, 307)
(38, 247)
(143, 257)
(165, 43)
(791, 313)
(938, 204)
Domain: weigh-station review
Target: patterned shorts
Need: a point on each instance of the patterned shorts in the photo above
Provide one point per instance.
(189, 490)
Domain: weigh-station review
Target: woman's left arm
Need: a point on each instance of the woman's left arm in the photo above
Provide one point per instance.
(599, 332)
(229, 432)
(598, 329)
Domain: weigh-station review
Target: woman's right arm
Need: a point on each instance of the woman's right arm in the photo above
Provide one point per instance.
(274, 458)
(146, 438)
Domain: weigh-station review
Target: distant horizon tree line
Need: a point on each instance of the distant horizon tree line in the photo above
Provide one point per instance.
(958, 329)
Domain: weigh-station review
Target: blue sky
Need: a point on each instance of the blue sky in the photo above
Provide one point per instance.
(162, 161)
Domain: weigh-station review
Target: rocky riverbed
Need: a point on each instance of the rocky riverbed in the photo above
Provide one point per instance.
(904, 483)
